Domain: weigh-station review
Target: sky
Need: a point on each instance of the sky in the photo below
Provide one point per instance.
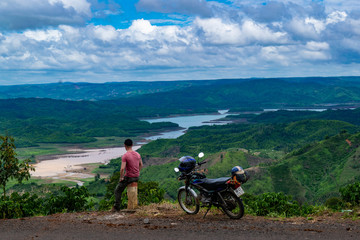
(49, 41)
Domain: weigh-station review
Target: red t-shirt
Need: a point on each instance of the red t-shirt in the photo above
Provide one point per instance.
(132, 160)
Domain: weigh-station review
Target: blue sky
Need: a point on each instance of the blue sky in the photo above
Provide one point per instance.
(43, 41)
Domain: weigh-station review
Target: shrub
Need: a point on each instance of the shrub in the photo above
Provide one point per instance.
(334, 203)
(16, 205)
(351, 193)
(70, 200)
(279, 204)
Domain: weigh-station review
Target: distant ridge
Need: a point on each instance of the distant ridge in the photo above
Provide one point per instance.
(114, 90)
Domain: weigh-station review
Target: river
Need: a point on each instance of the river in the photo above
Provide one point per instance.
(185, 122)
(71, 167)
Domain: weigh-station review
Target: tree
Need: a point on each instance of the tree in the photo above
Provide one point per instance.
(10, 166)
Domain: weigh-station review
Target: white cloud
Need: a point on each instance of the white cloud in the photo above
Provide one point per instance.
(316, 46)
(336, 17)
(218, 32)
(261, 33)
(106, 33)
(318, 25)
(142, 26)
(40, 35)
(276, 54)
(235, 41)
(303, 29)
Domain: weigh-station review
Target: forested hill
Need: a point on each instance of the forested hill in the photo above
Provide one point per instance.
(322, 156)
(92, 91)
(212, 139)
(33, 121)
(283, 116)
(223, 93)
(257, 93)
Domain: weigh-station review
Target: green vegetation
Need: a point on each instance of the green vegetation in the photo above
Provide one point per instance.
(351, 193)
(92, 91)
(254, 94)
(50, 199)
(275, 204)
(10, 166)
(148, 192)
(212, 139)
(294, 157)
(36, 121)
(317, 171)
(318, 162)
(283, 116)
(68, 200)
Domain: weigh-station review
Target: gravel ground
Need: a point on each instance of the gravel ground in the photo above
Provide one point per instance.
(166, 222)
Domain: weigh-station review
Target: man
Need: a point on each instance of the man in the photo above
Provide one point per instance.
(131, 165)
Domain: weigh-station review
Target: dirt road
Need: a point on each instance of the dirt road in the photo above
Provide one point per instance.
(169, 223)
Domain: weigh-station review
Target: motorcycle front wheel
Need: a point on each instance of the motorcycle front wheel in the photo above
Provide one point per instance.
(187, 201)
(233, 207)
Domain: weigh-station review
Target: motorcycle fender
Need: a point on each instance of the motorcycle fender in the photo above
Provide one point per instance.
(193, 192)
(232, 190)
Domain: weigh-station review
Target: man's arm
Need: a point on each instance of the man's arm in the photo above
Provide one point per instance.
(140, 164)
(122, 170)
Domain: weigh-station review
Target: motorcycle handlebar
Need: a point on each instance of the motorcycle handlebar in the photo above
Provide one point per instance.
(201, 163)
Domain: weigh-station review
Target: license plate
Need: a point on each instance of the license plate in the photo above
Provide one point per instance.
(239, 191)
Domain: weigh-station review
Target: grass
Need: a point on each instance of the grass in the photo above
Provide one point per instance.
(43, 149)
(29, 185)
(268, 153)
(57, 148)
(105, 142)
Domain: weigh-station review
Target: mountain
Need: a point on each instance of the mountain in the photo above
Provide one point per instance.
(283, 137)
(33, 121)
(253, 94)
(283, 116)
(92, 91)
(318, 162)
(204, 94)
(317, 171)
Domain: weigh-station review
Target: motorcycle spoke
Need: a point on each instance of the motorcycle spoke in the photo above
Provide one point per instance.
(188, 202)
(233, 207)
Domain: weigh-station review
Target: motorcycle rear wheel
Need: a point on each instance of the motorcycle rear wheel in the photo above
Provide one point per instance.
(234, 207)
(187, 201)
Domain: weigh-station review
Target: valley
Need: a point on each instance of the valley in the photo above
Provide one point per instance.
(297, 150)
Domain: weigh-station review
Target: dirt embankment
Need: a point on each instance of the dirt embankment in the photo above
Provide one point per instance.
(168, 222)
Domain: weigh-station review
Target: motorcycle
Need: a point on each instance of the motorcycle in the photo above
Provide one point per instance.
(199, 191)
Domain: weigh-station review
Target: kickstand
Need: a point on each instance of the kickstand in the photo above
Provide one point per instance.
(206, 212)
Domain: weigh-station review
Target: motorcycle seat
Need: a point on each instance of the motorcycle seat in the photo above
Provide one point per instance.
(214, 184)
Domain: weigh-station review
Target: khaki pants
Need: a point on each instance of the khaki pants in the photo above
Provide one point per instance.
(120, 188)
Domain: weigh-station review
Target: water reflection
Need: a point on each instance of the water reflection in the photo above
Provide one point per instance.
(188, 121)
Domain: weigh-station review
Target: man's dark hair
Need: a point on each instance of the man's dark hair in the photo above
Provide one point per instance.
(128, 142)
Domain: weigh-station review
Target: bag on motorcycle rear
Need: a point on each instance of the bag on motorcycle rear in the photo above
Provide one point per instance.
(241, 175)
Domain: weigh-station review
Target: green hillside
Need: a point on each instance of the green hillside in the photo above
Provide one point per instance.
(283, 116)
(319, 155)
(282, 137)
(317, 171)
(92, 91)
(253, 93)
(33, 121)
